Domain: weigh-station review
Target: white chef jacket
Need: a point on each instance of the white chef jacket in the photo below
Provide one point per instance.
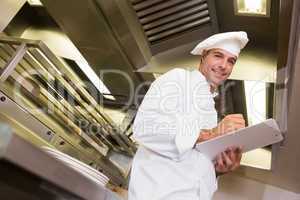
(166, 166)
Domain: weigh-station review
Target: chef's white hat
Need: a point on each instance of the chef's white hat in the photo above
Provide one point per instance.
(232, 42)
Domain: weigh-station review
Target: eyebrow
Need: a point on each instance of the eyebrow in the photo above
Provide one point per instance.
(220, 53)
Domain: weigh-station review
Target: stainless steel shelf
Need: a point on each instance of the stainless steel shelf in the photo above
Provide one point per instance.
(45, 177)
(28, 74)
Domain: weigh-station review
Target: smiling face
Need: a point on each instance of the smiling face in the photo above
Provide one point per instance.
(216, 65)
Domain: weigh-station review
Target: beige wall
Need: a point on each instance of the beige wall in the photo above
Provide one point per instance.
(232, 187)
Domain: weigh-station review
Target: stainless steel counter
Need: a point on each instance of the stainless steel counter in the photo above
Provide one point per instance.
(29, 173)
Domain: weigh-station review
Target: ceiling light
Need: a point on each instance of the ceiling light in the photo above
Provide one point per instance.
(97, 82)
(35, 2)
(252, 7)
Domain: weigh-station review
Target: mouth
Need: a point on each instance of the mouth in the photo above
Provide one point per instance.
(218, 73)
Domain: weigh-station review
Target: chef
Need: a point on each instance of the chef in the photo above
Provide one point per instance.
(178, 112)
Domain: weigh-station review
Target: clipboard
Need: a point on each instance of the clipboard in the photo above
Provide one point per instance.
(250, 138)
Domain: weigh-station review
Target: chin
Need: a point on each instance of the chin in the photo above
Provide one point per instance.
(217, 82)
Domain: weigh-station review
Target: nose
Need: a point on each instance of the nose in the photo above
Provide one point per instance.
(222, 64)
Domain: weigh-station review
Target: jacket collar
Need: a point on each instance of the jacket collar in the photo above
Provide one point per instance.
(200, 77)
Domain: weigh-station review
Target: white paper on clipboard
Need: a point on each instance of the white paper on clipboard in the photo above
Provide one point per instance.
(250, 138)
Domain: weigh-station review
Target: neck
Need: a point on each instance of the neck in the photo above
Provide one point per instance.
(213, 87)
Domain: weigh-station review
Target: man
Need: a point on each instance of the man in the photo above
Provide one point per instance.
(177, 113)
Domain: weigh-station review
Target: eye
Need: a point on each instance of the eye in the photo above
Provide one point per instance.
(232, 61)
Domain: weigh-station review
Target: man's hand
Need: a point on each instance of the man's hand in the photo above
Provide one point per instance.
(228, 160)
(228, 124)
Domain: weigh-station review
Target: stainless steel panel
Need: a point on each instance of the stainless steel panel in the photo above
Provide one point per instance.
(159, 7)
(177, 24)
(172, 23)
(172, 10)
(173, 42)
(98, 42)
(137, 1)
(180, 29)
(144, 4)
(173, 17)
(8, 10)
(11, 109)
(126, 27)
